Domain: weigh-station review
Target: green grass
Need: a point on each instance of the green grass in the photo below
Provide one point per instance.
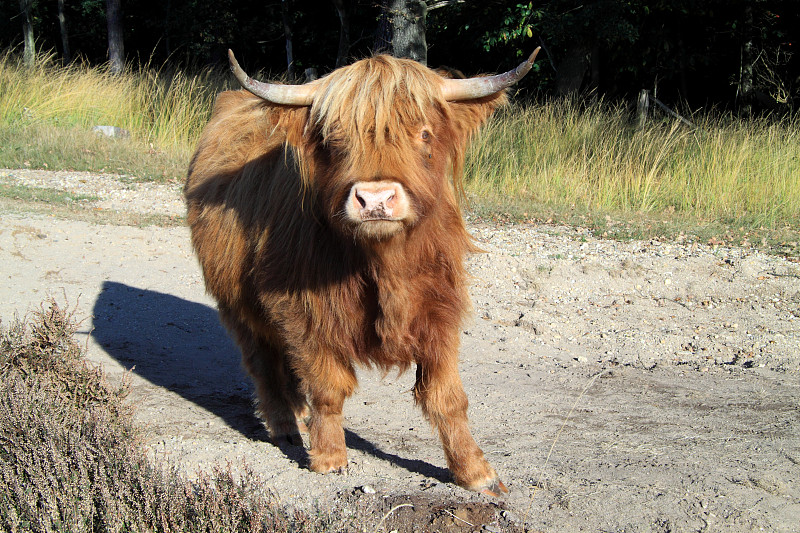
(731, 179)
(53, 202)
(36, 194)
(80, 211)
(47, 146)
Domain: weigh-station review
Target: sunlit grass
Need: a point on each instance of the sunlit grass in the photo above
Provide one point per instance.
(585, 164)
(554, 155)
(165, 110)
(45, 146)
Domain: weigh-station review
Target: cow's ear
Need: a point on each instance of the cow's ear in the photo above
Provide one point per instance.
(243, 115)
(469, 115)
(292, 121)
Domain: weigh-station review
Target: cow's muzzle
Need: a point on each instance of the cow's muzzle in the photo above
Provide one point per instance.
(378, 209)
(377, 201)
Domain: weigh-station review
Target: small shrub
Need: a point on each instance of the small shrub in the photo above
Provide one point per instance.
(71, 459)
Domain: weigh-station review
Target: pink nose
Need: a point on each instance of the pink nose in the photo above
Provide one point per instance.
(377, 200)
(380, 200)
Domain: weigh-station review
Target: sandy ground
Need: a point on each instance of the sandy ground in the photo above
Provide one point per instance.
(638, 386)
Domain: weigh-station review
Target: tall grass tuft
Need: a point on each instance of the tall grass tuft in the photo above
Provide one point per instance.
(162, 108)
(558, 155)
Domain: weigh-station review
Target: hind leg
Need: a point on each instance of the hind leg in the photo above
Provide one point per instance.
(280, 400)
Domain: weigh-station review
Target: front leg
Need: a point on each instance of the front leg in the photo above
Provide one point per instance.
(329, 383)
(440, 394)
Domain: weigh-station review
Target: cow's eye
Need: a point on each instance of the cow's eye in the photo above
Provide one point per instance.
(425, 135)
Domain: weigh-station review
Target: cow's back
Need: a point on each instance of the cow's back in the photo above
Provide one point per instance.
(240, 154)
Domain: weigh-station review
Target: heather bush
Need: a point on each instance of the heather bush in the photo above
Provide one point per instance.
(72, 460)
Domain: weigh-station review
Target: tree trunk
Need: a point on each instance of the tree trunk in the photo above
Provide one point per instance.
(116, 43)
(62, 25)
(573, 70)
(383, 33)
(287, 31)
(408, 29)
(344, 34)
(642, 108)
(29, 51)
(168, 27)
(748, 58)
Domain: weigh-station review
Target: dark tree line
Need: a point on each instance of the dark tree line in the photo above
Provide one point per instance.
(721, 52)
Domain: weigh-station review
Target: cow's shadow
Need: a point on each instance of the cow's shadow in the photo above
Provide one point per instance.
(181, 346)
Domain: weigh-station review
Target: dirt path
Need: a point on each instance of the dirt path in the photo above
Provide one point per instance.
(639, 386)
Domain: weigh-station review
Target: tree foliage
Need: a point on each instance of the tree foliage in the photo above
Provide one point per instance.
(691, 50)
(722, 52)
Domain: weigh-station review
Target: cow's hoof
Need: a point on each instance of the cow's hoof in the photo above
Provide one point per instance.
(331, 470)
(488, 483)
(285, 432)
(328, 465)
(495, 489)
(292, 439)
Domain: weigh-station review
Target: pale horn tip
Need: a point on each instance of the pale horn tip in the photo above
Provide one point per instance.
(235, 68)
(535, 53)
(526, 66)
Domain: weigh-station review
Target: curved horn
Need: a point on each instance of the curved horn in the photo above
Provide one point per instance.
(484, 86)
(272, 92)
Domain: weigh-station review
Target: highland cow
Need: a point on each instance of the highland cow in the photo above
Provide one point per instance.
(326, 219)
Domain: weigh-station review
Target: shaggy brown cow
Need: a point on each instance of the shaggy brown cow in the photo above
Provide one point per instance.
(327, 223)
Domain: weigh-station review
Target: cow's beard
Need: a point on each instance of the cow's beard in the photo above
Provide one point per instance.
(373, 231)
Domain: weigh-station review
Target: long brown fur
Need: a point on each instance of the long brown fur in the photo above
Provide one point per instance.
(307, 296)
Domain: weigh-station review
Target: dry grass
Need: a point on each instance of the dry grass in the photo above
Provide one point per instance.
(730, 180)
(47, 114)
(167, 109)
(71, 460)
(738, 172)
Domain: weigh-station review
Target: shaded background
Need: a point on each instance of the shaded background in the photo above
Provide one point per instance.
(693, 52)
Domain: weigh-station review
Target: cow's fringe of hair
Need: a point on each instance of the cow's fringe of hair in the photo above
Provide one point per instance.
(391, 93)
